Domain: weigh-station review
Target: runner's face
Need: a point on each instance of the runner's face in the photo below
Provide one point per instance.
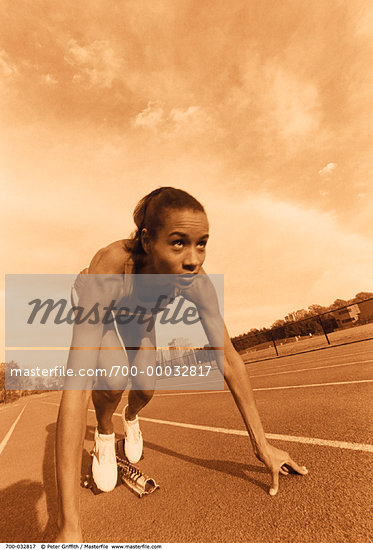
(180, 244)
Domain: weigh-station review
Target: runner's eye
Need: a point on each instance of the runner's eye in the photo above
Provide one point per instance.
(202, 244)
(178, 243)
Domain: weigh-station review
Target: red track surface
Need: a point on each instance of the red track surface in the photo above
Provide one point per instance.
(212, 487)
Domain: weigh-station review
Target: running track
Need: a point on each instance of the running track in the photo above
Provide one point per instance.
(318, 406)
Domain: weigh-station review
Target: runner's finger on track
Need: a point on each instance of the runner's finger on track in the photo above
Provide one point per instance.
(293, 468)
(274, 486)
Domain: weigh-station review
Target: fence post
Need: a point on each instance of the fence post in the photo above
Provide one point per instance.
(322, 326)
(274, 343)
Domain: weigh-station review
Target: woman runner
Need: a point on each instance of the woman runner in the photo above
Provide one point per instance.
(171, 237)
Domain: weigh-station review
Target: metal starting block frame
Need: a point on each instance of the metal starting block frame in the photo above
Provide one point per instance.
(138, 482)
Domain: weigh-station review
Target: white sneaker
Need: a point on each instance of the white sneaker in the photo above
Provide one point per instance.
(104, 465)
(132, 438)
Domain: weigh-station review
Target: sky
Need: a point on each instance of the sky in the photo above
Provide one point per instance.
(262, 110)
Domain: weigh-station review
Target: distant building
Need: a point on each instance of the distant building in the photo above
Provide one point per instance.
(161, 356)
(347, 316)
(366, 311)
(181, 352)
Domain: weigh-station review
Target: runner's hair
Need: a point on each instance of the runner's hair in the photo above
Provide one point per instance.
(150, 212)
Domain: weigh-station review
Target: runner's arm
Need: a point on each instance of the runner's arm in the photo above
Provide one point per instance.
(71, 423)
(238, 381)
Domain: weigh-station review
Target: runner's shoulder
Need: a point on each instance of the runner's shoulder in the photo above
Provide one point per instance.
(110, 259)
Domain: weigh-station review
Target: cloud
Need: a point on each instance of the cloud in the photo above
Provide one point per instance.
(279, 256)
(151, 118)
(328, 169)
(293, 103)
(191, 117)
(176, 121)
(95, 64)
(364, 21)
(49, 80)
(7, 68)
(249, 101)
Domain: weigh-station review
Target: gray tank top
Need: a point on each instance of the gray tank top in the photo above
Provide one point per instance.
(128, 296)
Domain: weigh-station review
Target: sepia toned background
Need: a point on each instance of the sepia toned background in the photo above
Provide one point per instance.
(262, 110)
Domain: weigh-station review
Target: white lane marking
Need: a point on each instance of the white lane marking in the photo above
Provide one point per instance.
(314, 368)
(304, 362)
(190, 385)
(7, 437)
(293, 438)
(266, 389)
(280, 437)
(194, 392)
(258, 369)
(323, 442)
(315, 385)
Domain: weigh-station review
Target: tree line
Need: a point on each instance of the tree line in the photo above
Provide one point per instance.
(7, 395)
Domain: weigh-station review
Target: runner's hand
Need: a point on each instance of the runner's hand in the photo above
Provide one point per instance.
(200, 291)
(278, 461)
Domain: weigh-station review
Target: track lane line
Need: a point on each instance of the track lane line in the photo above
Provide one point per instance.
(312, 369)
(293, 438)
(279, 437)
(287, 358)
(307, 364)
(7, 437)
(315, 385)
(204, 392)
(192, 392)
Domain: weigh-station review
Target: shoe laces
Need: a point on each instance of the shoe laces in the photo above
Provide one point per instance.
(137, 434)
(105, 451)
(134, 431)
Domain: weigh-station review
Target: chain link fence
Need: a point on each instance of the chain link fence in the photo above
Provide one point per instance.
(343, 325)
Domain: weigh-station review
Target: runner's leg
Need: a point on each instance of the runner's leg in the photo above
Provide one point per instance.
(143, 385)
(71, 428)
(112, 383)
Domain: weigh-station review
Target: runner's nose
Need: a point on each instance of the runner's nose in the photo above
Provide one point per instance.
(191, 260)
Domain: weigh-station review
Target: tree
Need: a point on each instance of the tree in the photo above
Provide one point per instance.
(364, 296)
(338, 303)
(278, 323)
(300, 314)
(316, 309)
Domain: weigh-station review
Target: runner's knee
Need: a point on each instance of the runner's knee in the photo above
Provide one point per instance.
(110, 395)
(145, 395)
